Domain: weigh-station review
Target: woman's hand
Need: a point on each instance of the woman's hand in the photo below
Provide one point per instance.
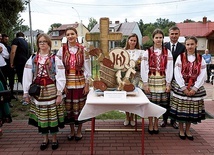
(186, 92)
(59, 99)
(192, 92)
(86, 89)
(167, 89)
(65, 90)
(146, 89)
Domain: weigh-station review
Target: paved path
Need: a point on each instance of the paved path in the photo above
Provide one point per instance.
(21, 139)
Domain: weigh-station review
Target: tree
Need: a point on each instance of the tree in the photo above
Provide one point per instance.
(92, 23)
(147, 29)
(54, 25)
(9, 15)
(164, 25)
(140, 24)
(189, 21)
(21, 28)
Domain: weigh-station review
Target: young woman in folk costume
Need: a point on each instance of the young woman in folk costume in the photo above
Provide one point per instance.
(132, 46)
(187, 104)
(46, 110)
(156, 74)
(77, 68)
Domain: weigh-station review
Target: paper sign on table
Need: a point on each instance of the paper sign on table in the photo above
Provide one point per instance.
(115, 94)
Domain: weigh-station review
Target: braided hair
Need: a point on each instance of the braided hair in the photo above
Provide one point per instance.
(158, 31)
(196, 41)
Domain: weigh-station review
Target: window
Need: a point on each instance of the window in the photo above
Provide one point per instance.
(55, 33)
(55, 43)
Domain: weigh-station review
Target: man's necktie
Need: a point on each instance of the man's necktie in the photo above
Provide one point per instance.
(173, 48)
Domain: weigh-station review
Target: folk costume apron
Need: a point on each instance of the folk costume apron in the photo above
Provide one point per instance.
(185, 108)
(44, 113)
(75, 82)
(157, 76)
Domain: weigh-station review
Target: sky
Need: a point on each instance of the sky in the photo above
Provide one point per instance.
(44, 13)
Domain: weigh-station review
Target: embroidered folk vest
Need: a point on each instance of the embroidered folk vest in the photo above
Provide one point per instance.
(73, 61)
(50, 66)
(190, 70)
(154, 65)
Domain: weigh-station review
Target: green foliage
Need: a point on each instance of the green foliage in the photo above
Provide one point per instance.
(140, 24)
(147, 44)
(163, 24)
(22, 28)
(19, 111)
(123, 42)
(9, 16)
(54, 25)
(189, 21)
(147, 29)
(92, 23)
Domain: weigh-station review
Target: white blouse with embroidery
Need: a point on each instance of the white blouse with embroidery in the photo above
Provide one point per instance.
(145, 66)
(179, 78)
(28, 74)
(87, 62)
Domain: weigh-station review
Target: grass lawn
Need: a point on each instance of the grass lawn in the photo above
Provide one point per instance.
(20, 112)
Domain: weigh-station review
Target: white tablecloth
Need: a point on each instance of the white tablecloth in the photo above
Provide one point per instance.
(139, 104)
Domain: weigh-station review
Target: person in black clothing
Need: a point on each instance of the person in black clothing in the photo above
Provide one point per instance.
(176, 48)
(19, 55)
(10, 71)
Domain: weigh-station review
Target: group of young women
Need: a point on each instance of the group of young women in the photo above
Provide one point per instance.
(181, 82)
(67, 74)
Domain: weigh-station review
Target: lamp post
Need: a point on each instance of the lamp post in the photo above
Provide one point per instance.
(80, 23)
(31, 32)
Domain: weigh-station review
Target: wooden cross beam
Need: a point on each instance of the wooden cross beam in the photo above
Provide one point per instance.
(104, 36)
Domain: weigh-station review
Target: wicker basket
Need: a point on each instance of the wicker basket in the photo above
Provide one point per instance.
(107, 75)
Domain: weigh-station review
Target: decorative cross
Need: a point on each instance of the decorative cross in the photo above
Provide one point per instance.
(104, 36)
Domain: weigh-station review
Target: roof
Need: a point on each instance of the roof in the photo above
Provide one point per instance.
(145, 39)
(61, 35)
(125, 28)
(64, 26)
(34, 33)
(61, 30)
(198, 29)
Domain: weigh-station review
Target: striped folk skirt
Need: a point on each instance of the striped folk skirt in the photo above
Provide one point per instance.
(47, 117)
(74, 103)
(157, 86)
(187, 109)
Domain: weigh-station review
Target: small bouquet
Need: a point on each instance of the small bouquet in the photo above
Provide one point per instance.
(138, 63)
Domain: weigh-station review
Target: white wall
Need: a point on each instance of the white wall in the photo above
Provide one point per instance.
(181, 39)
(202, 44)
(137, 31)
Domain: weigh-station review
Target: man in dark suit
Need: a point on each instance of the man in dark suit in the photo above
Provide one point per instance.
(176, 48)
